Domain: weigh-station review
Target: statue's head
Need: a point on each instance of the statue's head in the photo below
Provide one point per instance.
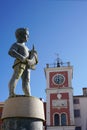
(22, 34)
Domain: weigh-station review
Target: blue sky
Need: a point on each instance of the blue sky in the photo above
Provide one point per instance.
(56, 27)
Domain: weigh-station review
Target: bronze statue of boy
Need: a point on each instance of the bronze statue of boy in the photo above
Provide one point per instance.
(24, 61)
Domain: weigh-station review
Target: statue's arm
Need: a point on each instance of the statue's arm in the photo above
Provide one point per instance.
(13, 51)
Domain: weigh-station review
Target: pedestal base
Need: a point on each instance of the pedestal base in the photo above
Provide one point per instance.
(22, 124)
(23, 113)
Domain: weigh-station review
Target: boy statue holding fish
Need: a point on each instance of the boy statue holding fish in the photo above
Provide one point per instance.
(25, 60)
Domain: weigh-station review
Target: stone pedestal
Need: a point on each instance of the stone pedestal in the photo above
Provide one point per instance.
(23, 113)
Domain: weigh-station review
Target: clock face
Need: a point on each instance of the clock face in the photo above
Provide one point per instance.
(58, 79)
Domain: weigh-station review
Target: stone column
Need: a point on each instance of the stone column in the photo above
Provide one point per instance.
(23, 113)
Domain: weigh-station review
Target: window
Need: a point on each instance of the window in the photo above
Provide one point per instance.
(76, 101)
(78, 128)
(63, 119)
(77, 113)
(56, 120)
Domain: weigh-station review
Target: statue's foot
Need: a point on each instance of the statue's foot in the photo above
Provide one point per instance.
(27, 95)
(12, 95)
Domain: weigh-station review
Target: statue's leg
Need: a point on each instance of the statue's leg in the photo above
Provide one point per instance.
(26, 82)
(12, 84)
(14, 80)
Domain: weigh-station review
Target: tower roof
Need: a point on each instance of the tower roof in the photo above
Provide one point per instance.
(58, 63)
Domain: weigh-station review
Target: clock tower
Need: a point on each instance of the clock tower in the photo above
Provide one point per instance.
(59, 97)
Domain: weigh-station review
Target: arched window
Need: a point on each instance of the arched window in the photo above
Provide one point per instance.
(56, 120)
(63, 119)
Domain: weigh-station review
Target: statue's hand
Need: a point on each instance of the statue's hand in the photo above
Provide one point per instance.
(30, 61)
(31, 64)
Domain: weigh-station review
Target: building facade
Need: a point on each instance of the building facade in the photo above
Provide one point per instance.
(59, 92)
(80, 110)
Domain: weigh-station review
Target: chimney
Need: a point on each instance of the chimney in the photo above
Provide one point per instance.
(84, 91)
